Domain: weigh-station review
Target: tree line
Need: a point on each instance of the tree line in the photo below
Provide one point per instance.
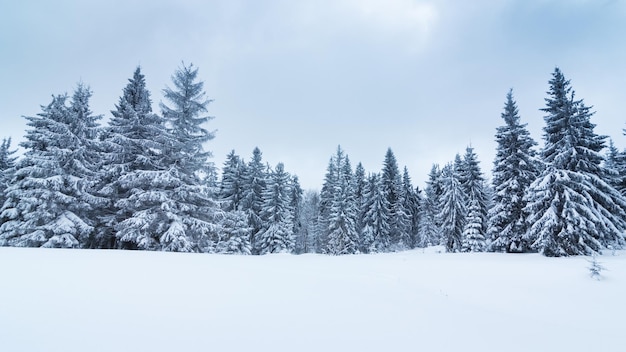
(144, 181)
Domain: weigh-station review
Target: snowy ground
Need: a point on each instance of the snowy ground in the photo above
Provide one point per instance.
(87, 300)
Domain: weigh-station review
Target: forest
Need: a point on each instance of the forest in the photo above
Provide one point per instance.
(144, 181)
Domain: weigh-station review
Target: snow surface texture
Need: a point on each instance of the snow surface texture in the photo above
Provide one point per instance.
(93, 300)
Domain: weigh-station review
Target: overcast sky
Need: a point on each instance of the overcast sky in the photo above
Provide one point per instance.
(298, 78)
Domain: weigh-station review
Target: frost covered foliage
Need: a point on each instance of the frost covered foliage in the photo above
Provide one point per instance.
(476, 198)
(429, 222)
(156, 170)
(452, 204)
(473, 235)
(338, 213)
(375, 236)
(342, 231)
(277, 235)
(515, 168)
(399, 216)
(234, 234)
(7, 167)
(190, 207)
(50, 200)
(135, 176)
(232, 184)
(572, 209)
(411, 202)
(255, 180)
(615, 165)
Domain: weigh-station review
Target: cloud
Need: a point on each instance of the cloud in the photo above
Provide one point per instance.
(395, 16)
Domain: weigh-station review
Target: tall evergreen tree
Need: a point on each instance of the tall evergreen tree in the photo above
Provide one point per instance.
(307, 242)
(277, 235)
(135, 176)
(7, 168)
(572, 209)
(375, 236)
(191, 211)
(255, 179)
(430, 222)
(615, 166)
(398, 216)
(515, 168)
(360, 188)
(295, 203)
(342, 233)
(474, 187)
(411, 204)
(50, 202)
(327, 196)
(231, 192)
(453, 208)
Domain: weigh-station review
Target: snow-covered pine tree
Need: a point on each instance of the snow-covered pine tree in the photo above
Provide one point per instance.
(307, 241)
(277, 235)
(342, 234)
(360, 188)
(375, 236)
(295, 203)
(234, 233)
(50, 200)
(327, 195)
(136, 177)
(255, 179)
(411, 203)
(191, 212)
(7, 168)
(453, 208)
(473, 235)
(572, 209)
(332, 180)
(430, 226)
(515, 168)
(232, 185)
(474, 187)
(391, 181)
(615, 166)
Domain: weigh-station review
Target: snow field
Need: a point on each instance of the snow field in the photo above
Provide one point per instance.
(96, 300)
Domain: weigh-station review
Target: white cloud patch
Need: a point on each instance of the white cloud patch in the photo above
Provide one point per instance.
(395, 16)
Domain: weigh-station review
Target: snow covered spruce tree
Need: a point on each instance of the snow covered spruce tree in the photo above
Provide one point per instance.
(429, 224)
(615, 166)
(295, 203)
(400, 221)
(277, 234)
(136, 176)
(234, 233)
(326, 198)
(307, 240)
(232, 184)
(191, 210)
(7, 168)
(50, 201)
(255, 179)
(411, 200)
(453, 207)
(342, 234)
(473, 185)
(515, 168)
(572, 209)
(375, 236)
(360, 188)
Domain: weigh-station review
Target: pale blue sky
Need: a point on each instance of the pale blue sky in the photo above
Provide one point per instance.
(297, 78)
